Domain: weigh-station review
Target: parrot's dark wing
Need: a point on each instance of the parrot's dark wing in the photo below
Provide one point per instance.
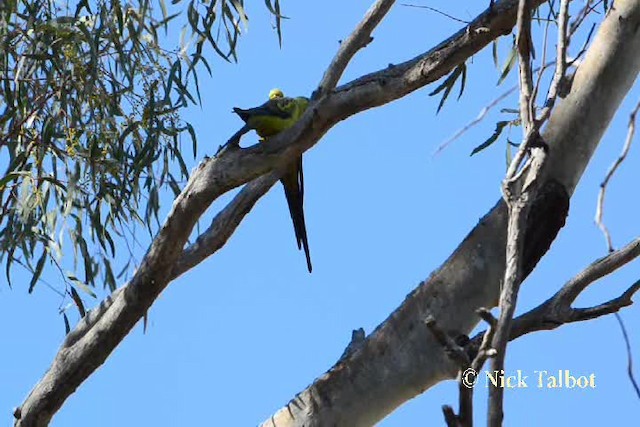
(271, 108)
(293, 183)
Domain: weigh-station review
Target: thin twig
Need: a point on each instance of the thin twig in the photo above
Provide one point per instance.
(433, 9)
(485, 351)
(582, 15)
(612, 171)
(483, 113)
(627, 343)
(481, 116)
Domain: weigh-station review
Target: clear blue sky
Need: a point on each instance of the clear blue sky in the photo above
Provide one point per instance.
(233, 340)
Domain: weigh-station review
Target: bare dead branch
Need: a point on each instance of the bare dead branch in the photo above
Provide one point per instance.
(561, 63)
(598, 269)
(468, 365)
(519, 207)
(450, 416)
(611, 172)
(519, 193)
(608, 307)
(359, 38)
(525, 51)
(558, 310)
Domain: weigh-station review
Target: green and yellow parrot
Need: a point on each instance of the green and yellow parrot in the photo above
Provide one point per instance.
(272, 117)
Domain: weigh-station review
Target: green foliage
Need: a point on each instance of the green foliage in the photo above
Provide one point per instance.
(496, 134)
(90, 126)
(459, 72)
(509, 64)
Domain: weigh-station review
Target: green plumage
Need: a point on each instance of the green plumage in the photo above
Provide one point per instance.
(272, 117)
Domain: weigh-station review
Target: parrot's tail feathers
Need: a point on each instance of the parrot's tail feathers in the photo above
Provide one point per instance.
(307, 254)
(292, 189)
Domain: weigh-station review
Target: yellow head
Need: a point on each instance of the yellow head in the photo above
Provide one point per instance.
(276, 93)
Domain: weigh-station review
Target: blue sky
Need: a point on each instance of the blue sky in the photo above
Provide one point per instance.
(235, 338)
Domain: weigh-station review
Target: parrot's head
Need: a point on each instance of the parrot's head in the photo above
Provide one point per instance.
(276, 93)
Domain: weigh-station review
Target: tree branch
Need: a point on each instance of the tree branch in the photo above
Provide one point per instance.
(521, 193)
(468, 367)
(558, 310)
(557, 83)
(224, 224)
(359, 38)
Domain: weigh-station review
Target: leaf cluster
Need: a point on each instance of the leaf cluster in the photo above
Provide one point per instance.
(90, 125)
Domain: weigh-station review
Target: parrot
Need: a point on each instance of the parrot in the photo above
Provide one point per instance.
(272, 117)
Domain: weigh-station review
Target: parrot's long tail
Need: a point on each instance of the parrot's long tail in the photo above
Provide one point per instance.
(293, 183)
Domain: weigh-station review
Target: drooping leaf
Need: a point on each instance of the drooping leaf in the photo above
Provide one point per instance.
(449, 82)
(494, 136)
(78, 301)
(508, 66)
(38, 270)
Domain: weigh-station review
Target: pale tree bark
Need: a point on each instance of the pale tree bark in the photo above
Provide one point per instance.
(401, 358)
(386, 367)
